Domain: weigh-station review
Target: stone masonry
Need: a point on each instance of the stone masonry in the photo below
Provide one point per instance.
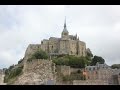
(67, 44)
(36, 72)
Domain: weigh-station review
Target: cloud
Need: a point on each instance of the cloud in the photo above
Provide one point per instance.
(98, 26)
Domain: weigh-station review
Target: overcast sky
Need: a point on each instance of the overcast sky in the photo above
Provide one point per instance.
(98, 26)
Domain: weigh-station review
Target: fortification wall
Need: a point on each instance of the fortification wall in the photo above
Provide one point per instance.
(31, 49)
(89, 82)
(36, 72)
(65, 70)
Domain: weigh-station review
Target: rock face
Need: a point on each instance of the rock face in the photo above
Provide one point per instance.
(36, 72)
(2, 77)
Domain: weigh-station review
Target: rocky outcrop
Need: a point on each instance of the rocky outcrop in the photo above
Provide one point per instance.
(2, 77)
(36, 72)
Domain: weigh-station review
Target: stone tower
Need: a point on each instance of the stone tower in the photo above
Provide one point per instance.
(65, 33)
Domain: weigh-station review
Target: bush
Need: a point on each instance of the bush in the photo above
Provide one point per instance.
(115, 66)
(73, 61)
(38, 55)
(11, 67)
(12, 74)
(20, 61)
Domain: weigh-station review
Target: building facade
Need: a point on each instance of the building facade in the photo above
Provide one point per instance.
(104, 73)
(99, 72)
(65, 45)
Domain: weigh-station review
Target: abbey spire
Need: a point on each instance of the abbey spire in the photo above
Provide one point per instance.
(65, 27)
(65, 33)
(65, 23)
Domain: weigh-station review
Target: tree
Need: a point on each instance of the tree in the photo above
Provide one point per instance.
(97, 59)
(40, 54)
(73, 61)
(115, 66)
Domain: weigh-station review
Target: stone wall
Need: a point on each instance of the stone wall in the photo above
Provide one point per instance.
(36, 72)
(65, 70)
(119, 79)
(74, 69)
(89, 82)
(1, 79)
(31, 49)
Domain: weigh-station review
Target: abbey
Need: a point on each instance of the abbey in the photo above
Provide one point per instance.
(66, 45)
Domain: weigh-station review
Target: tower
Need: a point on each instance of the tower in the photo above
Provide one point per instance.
(65, 32)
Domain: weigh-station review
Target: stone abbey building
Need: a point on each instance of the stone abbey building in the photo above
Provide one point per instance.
(66, 45)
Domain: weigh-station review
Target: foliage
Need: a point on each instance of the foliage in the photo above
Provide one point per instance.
(12, 73)
(9, 69)
(115, 66)
(73, 61)
(12, 66)
(39, 55)
(21, 60)
(97, 59)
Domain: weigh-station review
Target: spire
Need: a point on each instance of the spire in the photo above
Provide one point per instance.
(65, 27)
(65, 23)
(76, 35)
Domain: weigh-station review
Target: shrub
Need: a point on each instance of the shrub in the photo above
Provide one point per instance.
(13, 73)
(76, 62)
(38, 55)
(115, 66)
(20, 61)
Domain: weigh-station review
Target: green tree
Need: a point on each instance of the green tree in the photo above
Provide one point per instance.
(115, 66)
(13, 74)
(40, 54)
(97, 59)
(73, 61)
